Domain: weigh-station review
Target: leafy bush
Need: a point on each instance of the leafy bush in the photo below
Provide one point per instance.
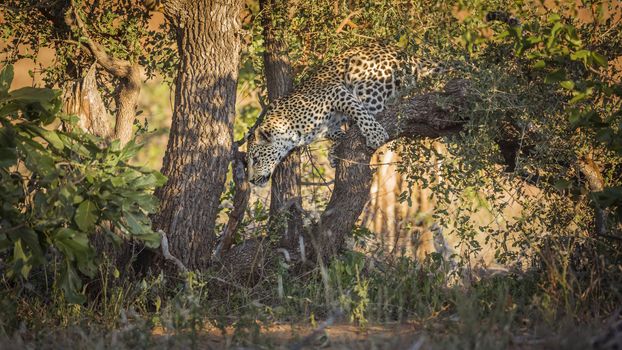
(60, 188)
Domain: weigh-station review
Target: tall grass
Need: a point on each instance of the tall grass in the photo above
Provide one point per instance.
(561, 301)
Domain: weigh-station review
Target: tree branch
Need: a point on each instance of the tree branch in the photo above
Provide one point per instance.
(431, 114)
(240, 202)
(128, 73)
(595, 181)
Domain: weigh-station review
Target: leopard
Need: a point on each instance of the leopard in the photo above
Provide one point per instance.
(353, 87)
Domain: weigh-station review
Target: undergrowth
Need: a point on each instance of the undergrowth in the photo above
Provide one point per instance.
(558, 302)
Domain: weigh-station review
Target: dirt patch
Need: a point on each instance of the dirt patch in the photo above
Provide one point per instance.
(295, 336)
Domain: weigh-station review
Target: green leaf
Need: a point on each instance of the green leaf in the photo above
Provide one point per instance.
(52, 138)
(36, 103)
(580, 55)
(37, 160)
(30, 238)
(572, 37)
(554, 17)
(599, 59)
(117, 181)
(555, 76)
(71, 283)
(6, 78)
(76, 248)
(567, 84)
(49, 135)
(21, 259)
(553, 36)
(86, 215)
(539, 64)
(135, 226)
(8, 157)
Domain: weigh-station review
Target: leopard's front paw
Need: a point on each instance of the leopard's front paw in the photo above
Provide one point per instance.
(377, 137)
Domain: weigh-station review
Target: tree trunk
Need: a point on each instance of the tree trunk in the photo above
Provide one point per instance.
(285, 196)
(419, 116)
(200, 144)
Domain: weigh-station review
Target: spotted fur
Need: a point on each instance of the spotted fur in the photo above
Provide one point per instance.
(353, 87)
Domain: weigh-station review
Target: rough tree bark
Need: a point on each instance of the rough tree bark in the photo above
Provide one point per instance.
(81, 97)
(200, 144)
(285, 193)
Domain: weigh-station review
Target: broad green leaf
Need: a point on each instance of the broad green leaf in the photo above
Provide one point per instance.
(117, 181)
(71, 284)
(572, 37)
(539, 64)
(31, 240)
(22, 260)
(553, 36)
(599, 59)
(50, 136)
(554, 17)
(86, 215)
(37, 160)
(6, 78)
(134, 224)
(151, 240)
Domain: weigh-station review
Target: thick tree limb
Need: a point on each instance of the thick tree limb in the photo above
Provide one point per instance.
(432, 114)
(167, 253)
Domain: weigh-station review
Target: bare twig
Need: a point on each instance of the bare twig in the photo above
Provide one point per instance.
(167, 254)
(348, 21)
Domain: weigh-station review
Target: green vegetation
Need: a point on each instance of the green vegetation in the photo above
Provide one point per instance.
(58, 188)
(547, 89)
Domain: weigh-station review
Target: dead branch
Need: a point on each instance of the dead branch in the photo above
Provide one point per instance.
(167, 254)
(348, 22)
(240, 202)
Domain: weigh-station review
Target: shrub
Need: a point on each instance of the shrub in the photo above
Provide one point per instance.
(59, 188)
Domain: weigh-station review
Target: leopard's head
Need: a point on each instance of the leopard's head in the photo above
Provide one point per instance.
(263, 155)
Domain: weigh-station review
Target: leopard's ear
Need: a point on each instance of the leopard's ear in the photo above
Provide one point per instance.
(262, 136)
